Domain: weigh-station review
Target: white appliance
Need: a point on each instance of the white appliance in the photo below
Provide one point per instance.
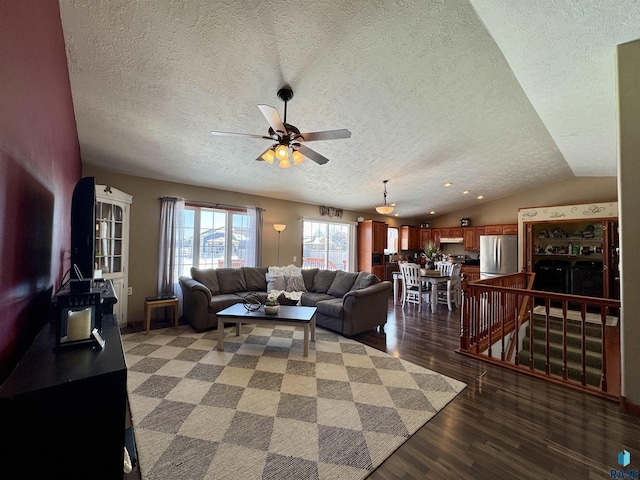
(498, 255)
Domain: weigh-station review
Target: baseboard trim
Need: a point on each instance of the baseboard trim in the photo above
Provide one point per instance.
(629, 407)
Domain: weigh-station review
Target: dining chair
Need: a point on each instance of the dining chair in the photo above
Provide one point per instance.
(412, 285)
(451, 292)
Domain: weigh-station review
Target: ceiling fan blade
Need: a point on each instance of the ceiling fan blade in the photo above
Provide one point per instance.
(273, 117)
(229, 134)
(326, 135)
(313, 155)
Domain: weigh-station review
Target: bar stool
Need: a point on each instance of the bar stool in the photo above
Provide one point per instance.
(156, 302)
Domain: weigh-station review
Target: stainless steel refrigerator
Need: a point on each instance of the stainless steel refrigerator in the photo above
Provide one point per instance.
(498, 255)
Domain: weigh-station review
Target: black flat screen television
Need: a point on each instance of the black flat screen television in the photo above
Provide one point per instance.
(83, 230)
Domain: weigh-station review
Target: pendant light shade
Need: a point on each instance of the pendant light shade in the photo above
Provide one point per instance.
(298, 158)
(282, 152)
(385, 208)
(269, 156)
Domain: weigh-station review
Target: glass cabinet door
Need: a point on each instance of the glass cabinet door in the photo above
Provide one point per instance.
(108, 238)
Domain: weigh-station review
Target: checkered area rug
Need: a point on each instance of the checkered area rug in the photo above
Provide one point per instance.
(260, 410)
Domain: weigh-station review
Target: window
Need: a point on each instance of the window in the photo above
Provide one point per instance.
(327, 245)
(217, 238)
(392, 241)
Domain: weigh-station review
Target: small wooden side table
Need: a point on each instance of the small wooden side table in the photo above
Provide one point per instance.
(156, 302)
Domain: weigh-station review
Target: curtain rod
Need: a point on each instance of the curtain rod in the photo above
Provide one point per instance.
(214, 205)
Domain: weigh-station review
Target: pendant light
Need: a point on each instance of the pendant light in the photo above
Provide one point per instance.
(385, 208)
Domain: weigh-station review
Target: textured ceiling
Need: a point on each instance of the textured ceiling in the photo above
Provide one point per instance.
(486, 94)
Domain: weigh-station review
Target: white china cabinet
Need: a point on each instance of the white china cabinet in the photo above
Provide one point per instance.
(112, 243)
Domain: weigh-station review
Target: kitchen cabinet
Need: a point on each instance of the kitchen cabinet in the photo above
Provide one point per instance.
(493, 229)
(410, 238)
(510, 229)
(455, 232)
(425, 236)
(584, 252)
(436, 234)
(479, 232)
(471, 272)
(471, 237)
(372, 240)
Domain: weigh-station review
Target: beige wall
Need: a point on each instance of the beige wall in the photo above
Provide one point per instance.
(628, 77)
(145, 218)
(145, 225)
(505, 210)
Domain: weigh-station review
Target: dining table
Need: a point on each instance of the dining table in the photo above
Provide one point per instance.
(434, 277)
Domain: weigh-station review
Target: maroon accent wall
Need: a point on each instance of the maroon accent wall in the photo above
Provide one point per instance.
(39, 166)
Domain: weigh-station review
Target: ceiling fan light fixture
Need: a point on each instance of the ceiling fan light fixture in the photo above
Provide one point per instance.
(298, 158)
(269, 156)
(385, 208)
(284, 162)
(282, 151)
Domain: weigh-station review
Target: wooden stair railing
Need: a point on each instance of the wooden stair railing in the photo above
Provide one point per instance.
(494, 308)
(522, 315)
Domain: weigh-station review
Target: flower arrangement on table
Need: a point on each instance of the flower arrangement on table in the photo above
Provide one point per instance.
(271, 305)
(432, 253)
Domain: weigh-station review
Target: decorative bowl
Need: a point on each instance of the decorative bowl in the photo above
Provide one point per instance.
(271, 309)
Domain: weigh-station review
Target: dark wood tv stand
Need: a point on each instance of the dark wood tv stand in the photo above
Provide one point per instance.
(62, 411)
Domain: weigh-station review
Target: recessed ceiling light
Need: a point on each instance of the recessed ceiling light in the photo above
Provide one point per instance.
(448, 184)
(397, 214)
(393, 205)
(466, 191)
(480, 197)
(433, 213)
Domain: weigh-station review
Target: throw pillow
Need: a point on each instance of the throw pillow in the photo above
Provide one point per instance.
(283, 300)
(288, 270)
(342, 283)
(295, 283)
(276, 282)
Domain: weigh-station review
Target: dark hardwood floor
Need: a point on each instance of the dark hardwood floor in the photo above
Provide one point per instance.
(504, 425)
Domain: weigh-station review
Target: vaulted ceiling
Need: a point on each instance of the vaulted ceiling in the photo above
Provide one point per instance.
(494, 96)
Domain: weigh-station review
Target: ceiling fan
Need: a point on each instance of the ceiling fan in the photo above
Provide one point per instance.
(288, 137)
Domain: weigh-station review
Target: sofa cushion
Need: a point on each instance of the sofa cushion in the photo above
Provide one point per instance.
(208, 277)
(295, 283)
(331, 308)
(310, 299)
(231, 280)
(222, 301)
(308, 274)
(322, 281)
(255, 279)
(365, 280)
(342, 283)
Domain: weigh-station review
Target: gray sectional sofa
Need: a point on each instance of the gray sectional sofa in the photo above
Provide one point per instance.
(347, 302)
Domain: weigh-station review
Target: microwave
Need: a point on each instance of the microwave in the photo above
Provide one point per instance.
(376, 259)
